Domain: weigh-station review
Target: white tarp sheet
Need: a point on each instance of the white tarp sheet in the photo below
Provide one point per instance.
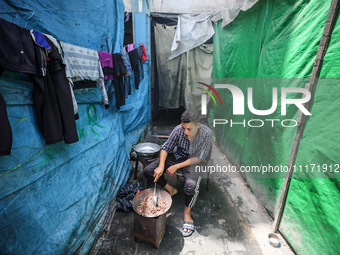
(195, 29)
(192, 30)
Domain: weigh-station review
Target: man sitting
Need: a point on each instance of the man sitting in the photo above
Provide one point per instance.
(188, 144)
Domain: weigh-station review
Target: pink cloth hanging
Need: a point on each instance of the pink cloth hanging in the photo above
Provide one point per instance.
(130, 47)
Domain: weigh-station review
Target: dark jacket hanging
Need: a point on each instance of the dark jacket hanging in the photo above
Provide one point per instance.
(141, 51)
(6, 137)
(17, 53)
(56, 70)
(134, 60)
(119, 72)
(53, 102)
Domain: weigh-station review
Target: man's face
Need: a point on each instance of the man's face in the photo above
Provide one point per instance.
(190, 129)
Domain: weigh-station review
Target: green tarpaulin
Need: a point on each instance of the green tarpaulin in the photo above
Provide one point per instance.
(274, 44)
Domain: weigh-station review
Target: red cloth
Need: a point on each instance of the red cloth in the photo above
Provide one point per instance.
(144, 57)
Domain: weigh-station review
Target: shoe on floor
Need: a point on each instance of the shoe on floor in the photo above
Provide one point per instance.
(188, 225)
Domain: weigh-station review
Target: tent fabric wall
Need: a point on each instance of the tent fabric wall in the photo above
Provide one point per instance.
(199, 69)
(171, 74)
(54, 198)
(278, 41)
(175, 76)
(81, 23)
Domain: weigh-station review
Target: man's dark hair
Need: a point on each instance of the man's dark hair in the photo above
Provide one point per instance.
(190, 116)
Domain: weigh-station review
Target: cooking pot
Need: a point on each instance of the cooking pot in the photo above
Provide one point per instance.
(137, 200)
(150, 229)
(147, 150)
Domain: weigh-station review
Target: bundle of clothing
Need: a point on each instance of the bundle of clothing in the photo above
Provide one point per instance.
(126, 194)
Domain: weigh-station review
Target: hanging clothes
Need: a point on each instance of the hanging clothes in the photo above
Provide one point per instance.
(140, 57)
(46, 105)
(6, 137)
(56, 70)
(56, 44)
(40, 40)
(17, 55)
(144, 56)
(126, 78)
(24, 51)
(52, 97)
(134, 60)
(18, 52)
(130, 47)
(60, 50)
(114, 69)
(106, 61)
(120, 71)
(84, 64)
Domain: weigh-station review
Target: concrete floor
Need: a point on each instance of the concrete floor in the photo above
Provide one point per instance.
(228, 219)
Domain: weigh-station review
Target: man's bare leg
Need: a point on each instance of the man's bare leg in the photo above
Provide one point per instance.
(187, 217)
(172, 191)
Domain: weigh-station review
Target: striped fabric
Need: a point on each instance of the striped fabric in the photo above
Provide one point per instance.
(197, 190)
(84, 64)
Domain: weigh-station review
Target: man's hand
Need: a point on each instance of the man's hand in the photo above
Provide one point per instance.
(172, 170)
(158, 172)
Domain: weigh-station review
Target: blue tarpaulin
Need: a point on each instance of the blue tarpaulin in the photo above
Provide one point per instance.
(54, 198)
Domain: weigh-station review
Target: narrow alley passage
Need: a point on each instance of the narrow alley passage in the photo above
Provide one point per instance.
(228, 218)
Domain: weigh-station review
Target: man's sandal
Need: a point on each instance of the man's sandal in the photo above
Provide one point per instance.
(189, 226)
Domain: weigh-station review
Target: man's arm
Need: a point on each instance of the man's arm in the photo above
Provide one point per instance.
(160, 169)
(191, 161)
(167, 147)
